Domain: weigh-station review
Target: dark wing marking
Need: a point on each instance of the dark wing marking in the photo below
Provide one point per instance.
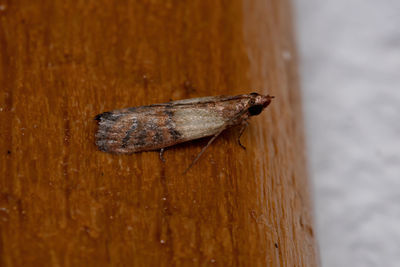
(129, 132)
(145, 128)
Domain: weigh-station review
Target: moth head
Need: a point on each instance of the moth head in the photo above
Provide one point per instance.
(257, 103)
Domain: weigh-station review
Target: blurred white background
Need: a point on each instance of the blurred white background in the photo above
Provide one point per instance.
(350, 69)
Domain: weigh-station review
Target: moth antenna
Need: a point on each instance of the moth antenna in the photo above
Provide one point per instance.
(202, 150)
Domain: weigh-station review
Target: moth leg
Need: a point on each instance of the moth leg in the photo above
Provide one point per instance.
(162, 154)
(203, 149)
(244, 126)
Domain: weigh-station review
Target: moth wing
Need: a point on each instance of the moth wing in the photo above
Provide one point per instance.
(194, 122)
(158, 126)
(134, 130)
(201, 100)
(198, 100)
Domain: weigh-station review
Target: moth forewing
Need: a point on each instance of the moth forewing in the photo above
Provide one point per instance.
(194, 123)
(162, 125)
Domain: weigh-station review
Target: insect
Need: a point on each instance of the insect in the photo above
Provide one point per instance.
(158, 126)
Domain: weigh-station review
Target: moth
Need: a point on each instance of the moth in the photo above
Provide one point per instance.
(158, 126)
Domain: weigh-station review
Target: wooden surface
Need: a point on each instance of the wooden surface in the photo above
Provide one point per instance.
(64, 203)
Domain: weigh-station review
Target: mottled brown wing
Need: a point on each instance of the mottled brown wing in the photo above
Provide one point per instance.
(136, 129)
(162, 125)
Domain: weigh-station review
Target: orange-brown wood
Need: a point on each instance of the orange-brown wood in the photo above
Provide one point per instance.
(64, 203)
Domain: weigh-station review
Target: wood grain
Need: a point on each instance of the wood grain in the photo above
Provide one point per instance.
(64, 203)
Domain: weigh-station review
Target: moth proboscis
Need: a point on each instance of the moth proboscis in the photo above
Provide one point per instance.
(158, 126)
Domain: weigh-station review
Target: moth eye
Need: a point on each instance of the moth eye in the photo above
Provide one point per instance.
(255, 110)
